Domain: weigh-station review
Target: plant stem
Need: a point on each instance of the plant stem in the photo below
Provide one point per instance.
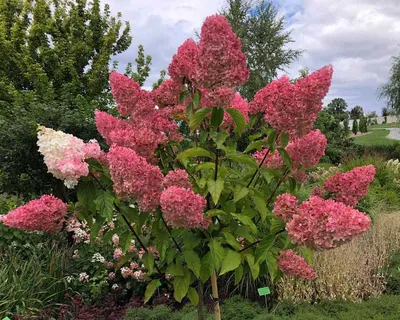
(169, 231)
(200, 305)
(250, 245)
(214, 285)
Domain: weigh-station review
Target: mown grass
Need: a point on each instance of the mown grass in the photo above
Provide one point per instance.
(375, 138)
(384, 126)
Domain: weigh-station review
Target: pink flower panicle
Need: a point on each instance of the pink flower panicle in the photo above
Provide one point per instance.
(178, 178)
(285, 206)
(325, 224)
(351, 186)
(183, 63)
(239, 104)
(182, 208)
(65, 154)
(134, 177)
(44, 214)
(167, 94)
(293, 265)
(293, 107)
(273, 159)
(220, 61)
(306, 151)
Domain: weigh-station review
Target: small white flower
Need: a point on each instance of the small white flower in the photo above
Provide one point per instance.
(40, 245)
(97, 257)
(83, 277)
(14, 244)
(115, 287)
(27, 245)
(70, 279)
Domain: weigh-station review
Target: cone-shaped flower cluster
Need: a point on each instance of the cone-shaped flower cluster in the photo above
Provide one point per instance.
(178, 178)
(285, 206)
(350, 187)
(293, 265)
(65, 154)
(134, 177)
(182, 208)
(44, 214)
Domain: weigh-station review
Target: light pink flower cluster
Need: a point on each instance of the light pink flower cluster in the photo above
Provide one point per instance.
(64, 154)
(220, 61)
(293, 107)
(44, 214)
(178, 178)
(239, 104)
(182, 208)
(117, 254)
(134, 177)
(80, 231)
(351, 186)
(293, 265)
(183, 63)
(115, 240)
(285, 206)
(325, 224)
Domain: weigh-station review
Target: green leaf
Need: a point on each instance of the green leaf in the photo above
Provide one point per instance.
(284, 139)
(263, 248)
(272, 141)
(194, 152)
(105, 204)
(94, 230)
(246, 221)
(215, 188)
(193, 296)
(125, 240)
(267, 174)
(191, 241)
(175, 270)
(192, 261)
(255, 145)
(205, 165)
(214, 212)
(196, 98)
(148, 260)
(207, 267)
(308, 254)
(217, 252)
(276, 225)
(86, 194)
(261, 207)
(242, 158)
(198, 118)
(272, 265)
(238, 274)
(162, 243)
(150, 289)
(183, 96)
(292, 184)
(230, 262)
(181, 285)
(240, 193)
(238, 118)
(231, 240)
(219, 138)
(217, 116)
(285, 156)
(254, 267)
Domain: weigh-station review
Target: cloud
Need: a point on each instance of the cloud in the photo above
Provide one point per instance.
(357, 37)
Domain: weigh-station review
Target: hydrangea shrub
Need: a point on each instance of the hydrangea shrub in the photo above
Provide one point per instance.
(195, 205)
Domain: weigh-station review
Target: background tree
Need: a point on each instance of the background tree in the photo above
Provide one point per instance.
(143, 63)
(391, 90)
(346, 127)
(356, 113)
(363, 125)
(355, 126)
(264, 41)
(55, 64)
(337, 107)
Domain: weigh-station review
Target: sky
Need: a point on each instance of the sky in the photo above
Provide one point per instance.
(358, 37)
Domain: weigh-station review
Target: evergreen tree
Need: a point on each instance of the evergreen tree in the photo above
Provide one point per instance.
(363, 125)
(355, 126)
(346, 127)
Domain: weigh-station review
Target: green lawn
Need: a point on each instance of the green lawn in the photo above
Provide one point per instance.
(384, 125)
(376, 137)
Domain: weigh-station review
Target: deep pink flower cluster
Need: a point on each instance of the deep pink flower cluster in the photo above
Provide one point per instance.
(351, 186)
(183, 63)
(239, 104)
(293, 107)
(273, 159)
(134, 177)
(293, 265)
(178, 178)
(182, 208)
(285, 206)
(325, 224)
(167, 93)
(306, 151)
(44, 214)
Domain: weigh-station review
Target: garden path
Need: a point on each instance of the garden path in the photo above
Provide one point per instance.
(394, 133)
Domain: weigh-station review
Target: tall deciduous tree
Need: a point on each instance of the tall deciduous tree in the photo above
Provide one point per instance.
(357, 112)
(55, 57)
(337, 107)
(391, 90)
(264, 41)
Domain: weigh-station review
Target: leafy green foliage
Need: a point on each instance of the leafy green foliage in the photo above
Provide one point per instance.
(390, 90)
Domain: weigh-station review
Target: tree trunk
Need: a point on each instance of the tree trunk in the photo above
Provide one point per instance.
(217, 311)
(200, 305)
